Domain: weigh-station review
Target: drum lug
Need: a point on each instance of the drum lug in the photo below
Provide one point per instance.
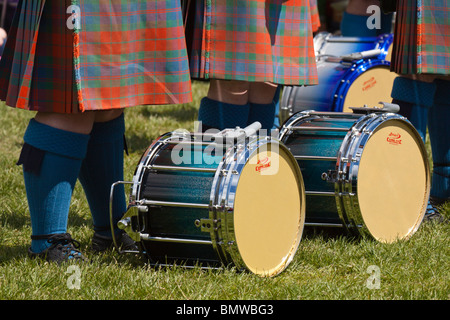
(208, 225)
(125, 223)
(333, 176)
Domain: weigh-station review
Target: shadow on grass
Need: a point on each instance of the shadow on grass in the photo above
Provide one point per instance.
(183, 112)
(138, 143)
(329, 234)
(9, 253)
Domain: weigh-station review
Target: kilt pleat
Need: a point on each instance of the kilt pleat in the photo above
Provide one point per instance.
(121, 54)
(315, 17)
(254, 40)
(423, 42)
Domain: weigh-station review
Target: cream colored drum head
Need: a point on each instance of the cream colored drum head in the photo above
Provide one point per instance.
(269, 211)
(371, 87)
(393, 182)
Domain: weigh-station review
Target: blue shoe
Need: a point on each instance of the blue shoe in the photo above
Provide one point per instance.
(432, 213)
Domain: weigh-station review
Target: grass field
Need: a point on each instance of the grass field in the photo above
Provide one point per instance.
(326, 266)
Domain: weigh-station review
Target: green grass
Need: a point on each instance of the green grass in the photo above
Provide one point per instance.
(326, 266)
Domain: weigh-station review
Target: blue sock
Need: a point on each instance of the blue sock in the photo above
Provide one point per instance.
(415, 98)
(103, 166)
(221, 115)
(439, 130)
(276, 100)
(264, 113)
(51, 160)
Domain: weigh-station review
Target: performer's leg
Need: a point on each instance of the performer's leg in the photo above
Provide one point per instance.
(439, 131)
(226, 105)
(414, 98)
(103, 166)
(263, 103)
(51, 159)
(238, 103)
(276, 101)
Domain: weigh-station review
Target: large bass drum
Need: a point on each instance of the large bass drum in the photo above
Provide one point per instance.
(197, 200)
(345, 80)
(366, 173)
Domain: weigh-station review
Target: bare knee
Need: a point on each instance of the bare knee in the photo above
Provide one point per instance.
(107, 115)
(229, 91)
(74, 122)
(262, 92)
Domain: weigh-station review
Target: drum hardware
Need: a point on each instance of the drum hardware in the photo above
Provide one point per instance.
(208, 225)
(376, 132)
(327, 44)
(386, 108)
(332, 176)
(352, 72)
(154, 203)
(171, 168)
(353, 58)
(361, 55)
(148, 237)
(197, 212)
(125, 223)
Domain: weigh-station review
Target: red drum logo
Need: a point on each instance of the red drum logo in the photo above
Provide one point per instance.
(394, 139)
(263, 163)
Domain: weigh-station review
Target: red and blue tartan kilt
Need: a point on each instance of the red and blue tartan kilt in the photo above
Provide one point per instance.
(422, 37)
(315, 17)
(120, 56)
(253, 40)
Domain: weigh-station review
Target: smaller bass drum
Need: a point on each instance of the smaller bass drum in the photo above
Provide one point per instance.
(197, 200)
(367, 173)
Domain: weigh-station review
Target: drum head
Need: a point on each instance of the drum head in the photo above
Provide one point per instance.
(371, 87)
(269, 211)
(393, 181)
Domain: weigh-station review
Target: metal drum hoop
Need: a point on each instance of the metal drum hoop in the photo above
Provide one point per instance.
(220, 222)
(224, 193)
(348, 159)
(357, 68)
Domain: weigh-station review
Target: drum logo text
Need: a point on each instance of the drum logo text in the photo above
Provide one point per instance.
(263, 163)
(369, 84)
(394, 139)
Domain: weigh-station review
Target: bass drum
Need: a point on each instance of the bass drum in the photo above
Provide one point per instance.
(197, 201)
(366, 173)
(343, 83)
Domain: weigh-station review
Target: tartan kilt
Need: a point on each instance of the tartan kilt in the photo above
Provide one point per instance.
(315, 17)
(252, 40)
(422, 37)
(118, 55)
